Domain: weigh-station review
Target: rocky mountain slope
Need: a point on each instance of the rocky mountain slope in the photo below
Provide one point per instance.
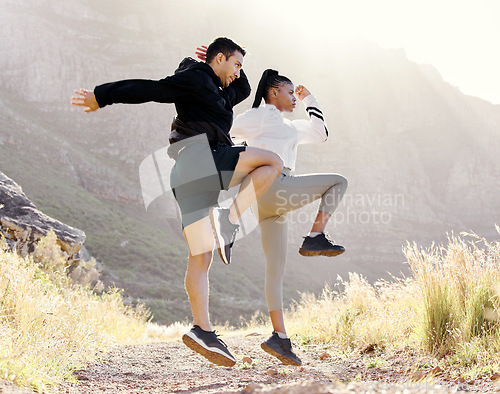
(420, 156)
(23, 225)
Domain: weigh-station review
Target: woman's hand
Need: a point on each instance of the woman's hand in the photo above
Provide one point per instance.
(302, 92)
(201, 53)
(85, 99)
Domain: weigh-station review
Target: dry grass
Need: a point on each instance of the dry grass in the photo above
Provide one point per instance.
(48, 326)
(449, 307)
(160, 333)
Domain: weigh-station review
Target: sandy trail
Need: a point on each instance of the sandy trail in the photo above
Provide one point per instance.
(173, 368)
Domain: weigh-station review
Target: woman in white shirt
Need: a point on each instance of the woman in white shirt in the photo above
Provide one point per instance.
(264, 127)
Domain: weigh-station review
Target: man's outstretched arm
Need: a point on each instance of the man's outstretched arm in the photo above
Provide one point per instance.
(85, 99)
(137, 91)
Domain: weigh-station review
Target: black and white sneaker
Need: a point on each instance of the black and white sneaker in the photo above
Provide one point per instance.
(281, 349)
(209, 346)
(320, 245)
(224, 232)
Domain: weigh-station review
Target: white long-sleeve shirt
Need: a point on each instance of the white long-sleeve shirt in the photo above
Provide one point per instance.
(265, 127)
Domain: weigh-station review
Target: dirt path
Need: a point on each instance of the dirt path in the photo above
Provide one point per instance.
(173, 368)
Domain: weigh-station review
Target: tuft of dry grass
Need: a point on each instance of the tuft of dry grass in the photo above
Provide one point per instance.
(449, 306)
(361, 314)
(459, 292)
(49, 326)
(160, 333)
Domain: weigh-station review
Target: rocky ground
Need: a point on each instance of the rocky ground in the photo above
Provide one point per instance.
(173, 368)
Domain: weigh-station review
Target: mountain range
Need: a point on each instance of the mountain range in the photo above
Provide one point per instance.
(420, 156)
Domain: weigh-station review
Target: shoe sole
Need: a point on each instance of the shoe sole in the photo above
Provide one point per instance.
(285, 360)
(218, 238)
(327, 253)
(213, 357)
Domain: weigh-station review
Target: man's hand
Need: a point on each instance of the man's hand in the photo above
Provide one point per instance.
(201, 53)
(302, 92)
(85, 99)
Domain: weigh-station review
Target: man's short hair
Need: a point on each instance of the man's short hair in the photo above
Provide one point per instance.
(225, 46)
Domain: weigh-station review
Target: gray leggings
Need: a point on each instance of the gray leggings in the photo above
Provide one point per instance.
(287, 193)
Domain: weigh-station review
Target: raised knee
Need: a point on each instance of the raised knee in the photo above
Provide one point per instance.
(277, 164)
(345, 182)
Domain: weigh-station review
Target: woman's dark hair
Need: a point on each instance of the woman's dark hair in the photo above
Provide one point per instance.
(223, 45)
(270, 79)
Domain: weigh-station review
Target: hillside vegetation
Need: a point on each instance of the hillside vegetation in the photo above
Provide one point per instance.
(449, 307)
(49, 326)
(447, 310)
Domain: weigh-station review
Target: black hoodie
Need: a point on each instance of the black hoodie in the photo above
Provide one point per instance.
(203, 105)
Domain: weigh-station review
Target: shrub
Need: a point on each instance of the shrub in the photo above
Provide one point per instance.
(49, 326)
(449, 306)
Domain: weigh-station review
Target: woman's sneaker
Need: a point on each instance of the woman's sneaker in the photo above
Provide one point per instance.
(281, 349)
(224, 232)
(320, 245)
(209, 346)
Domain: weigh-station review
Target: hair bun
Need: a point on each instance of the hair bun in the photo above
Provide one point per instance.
(269, 73)
(259, 94)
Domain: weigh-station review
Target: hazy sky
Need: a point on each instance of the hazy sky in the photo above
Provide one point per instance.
(461, 38)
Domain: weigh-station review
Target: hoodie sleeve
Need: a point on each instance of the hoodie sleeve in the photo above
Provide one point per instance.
(312, 130)
(239, 89)
(171, 89)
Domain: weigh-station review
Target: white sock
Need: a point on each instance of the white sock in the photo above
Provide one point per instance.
(281, 335)
(313, 234)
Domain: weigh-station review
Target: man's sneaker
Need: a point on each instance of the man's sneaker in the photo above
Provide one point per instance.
(209, 346)
(282, 349)
(224, 232)
(320, 245)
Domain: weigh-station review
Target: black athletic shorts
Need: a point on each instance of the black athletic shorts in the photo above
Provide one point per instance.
(199, 174)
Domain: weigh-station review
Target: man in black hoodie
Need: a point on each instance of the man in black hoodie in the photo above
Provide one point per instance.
(204, 94)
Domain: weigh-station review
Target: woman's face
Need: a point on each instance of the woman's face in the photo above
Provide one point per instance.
(283, 97)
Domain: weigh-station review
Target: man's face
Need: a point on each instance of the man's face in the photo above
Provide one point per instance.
(230, 68)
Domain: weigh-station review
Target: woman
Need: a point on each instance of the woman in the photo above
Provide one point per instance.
(264, 127)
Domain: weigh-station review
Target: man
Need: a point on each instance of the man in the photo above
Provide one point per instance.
(204, 94)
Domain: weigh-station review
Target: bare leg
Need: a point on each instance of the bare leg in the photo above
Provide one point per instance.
(277, 320)
(196, 283)
(320, 222)
(200, 241)
(256, 171)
